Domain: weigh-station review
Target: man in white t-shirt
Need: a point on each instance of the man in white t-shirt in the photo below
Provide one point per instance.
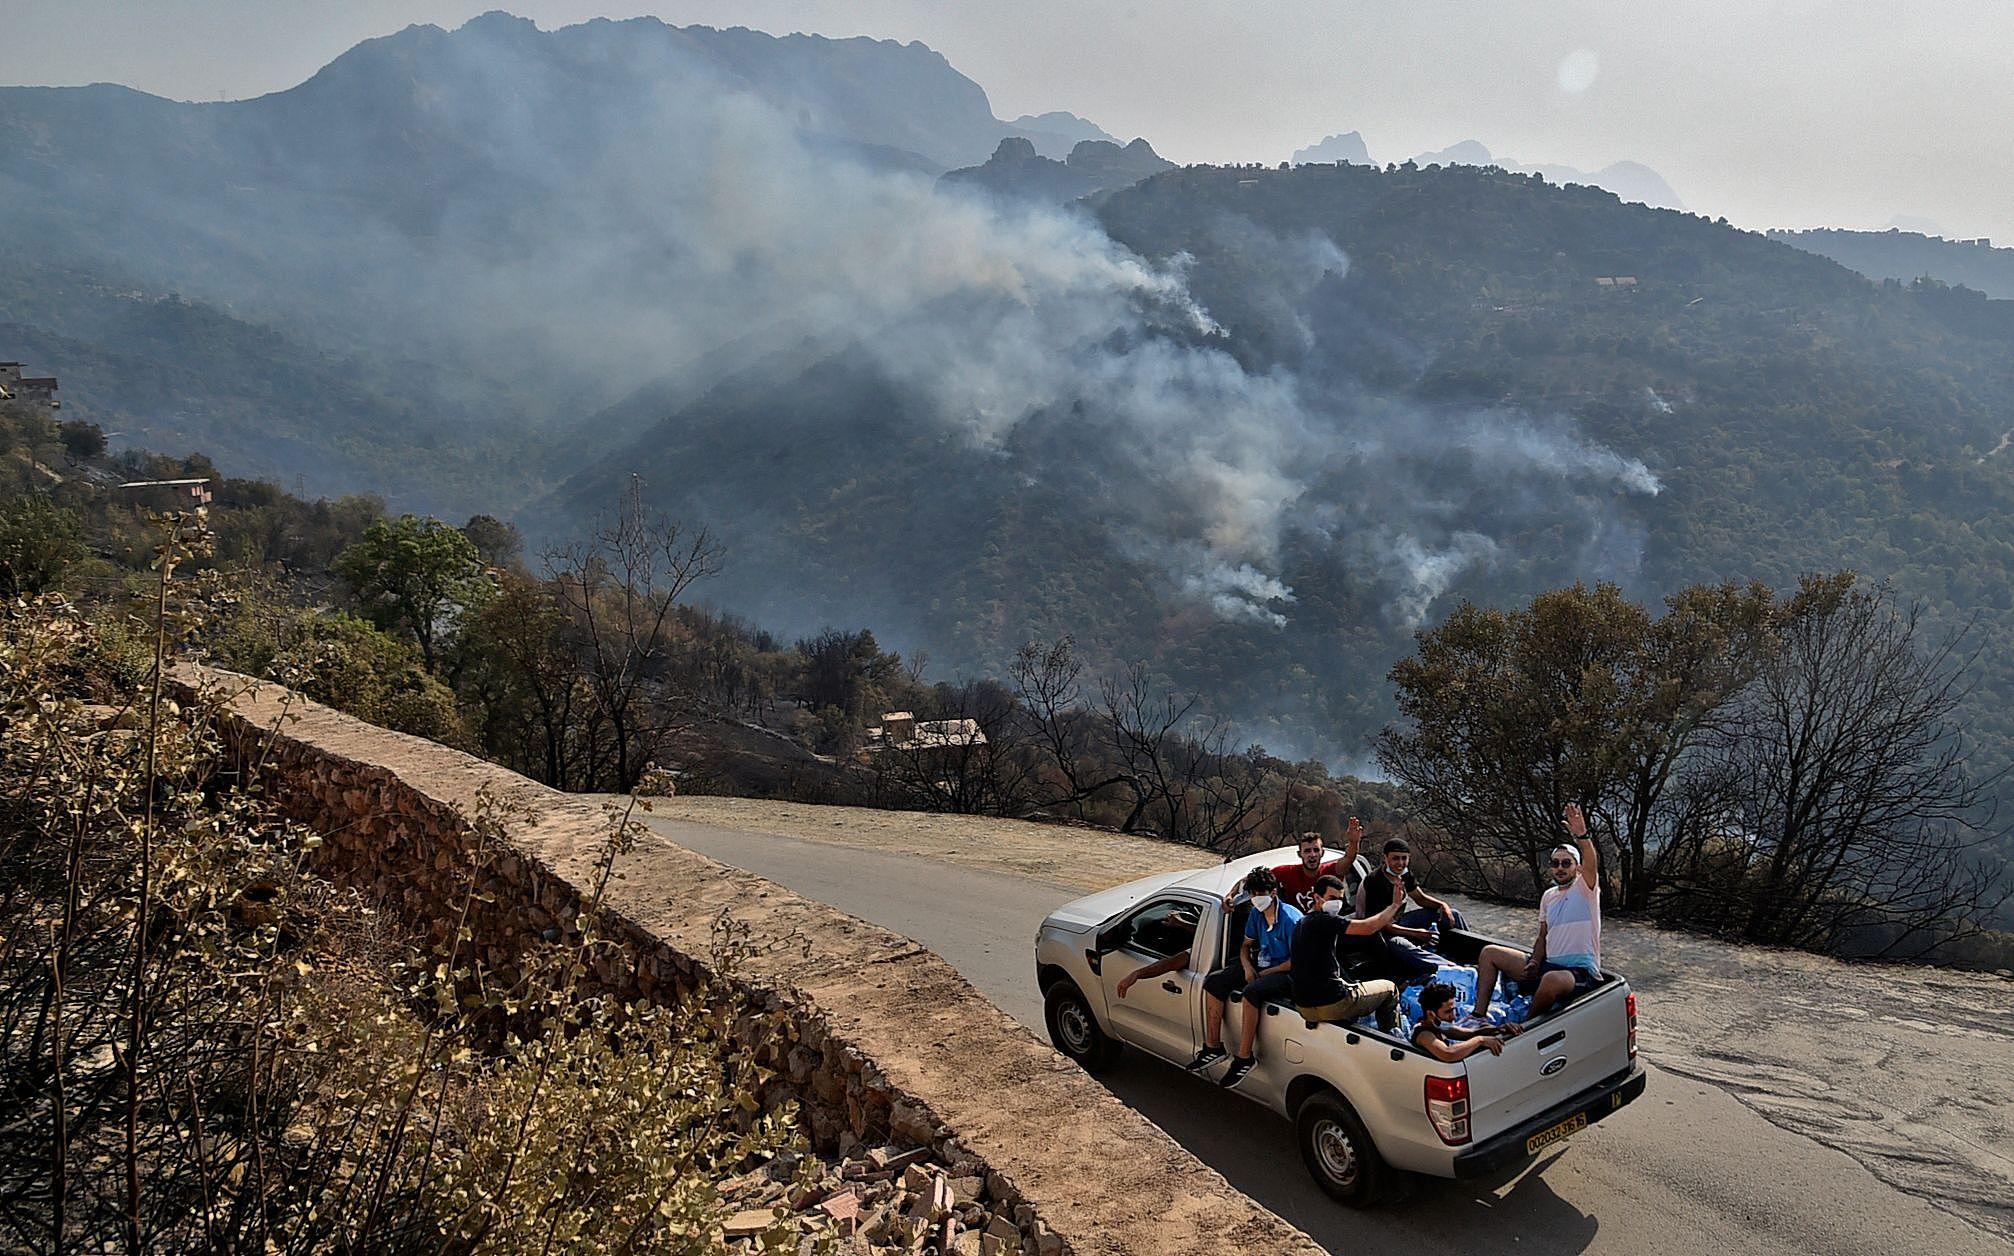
(1565, 962)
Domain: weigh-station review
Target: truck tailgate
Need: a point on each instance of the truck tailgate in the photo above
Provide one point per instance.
(1556, 1058)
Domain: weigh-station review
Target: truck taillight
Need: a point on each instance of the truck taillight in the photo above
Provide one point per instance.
(1448, 1108)
(1629, 1006)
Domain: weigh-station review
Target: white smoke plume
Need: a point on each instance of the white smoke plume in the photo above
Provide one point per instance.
(1424, 573)
(714, 222)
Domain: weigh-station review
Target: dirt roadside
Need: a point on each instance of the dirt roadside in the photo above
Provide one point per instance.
(1906, 1069)
(1060, 854)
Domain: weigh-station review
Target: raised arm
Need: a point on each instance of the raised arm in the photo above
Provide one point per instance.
(1353, 841)
(1590, 862)
(1371, 924)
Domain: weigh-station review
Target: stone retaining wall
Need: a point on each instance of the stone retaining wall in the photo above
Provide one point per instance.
(888, 1043)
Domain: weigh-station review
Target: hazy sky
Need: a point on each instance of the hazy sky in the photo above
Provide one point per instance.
(1784, 113)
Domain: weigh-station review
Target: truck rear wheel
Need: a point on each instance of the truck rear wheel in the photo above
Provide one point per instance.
(1338, 1150)
(1074, 1028)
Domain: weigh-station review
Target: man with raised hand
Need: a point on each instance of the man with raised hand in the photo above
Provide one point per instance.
(1565, 961)
(1323, 942)
(1297, 880)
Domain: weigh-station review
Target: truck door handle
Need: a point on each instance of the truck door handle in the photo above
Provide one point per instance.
(1171, 987)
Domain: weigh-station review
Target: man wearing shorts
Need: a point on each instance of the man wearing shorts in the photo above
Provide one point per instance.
(1565, 961)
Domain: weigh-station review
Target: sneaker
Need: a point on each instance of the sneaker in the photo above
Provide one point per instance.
(1240, 1069)
(1205, 1058)
(1388, 1015)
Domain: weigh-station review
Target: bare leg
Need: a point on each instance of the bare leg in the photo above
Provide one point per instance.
(1213, 1021)
(1248, 1029)
(1494, 960)
(1553, 987)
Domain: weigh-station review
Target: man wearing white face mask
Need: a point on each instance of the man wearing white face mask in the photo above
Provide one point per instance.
(1322, 990)
(1261, 972)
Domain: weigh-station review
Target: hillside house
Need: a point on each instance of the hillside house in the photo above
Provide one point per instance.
(34, 390)
(901, 730)
(932, 745)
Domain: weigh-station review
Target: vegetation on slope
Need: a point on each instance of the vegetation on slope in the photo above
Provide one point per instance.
(207, 1047)
(596, 671)
(1910, 255)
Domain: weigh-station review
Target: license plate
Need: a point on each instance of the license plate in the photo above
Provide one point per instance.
(1547, 1137)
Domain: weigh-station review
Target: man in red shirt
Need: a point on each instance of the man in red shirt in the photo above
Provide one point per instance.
(1297, 880)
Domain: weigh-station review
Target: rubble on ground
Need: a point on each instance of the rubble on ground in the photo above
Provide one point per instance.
(880, 1200)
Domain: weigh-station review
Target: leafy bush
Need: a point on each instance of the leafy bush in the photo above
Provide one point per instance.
(39, 544)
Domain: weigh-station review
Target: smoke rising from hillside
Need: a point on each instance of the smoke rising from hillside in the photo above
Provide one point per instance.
(575, 235)
(995, 316)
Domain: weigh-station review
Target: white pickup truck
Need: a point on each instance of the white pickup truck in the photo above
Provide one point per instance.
(1363, 1103)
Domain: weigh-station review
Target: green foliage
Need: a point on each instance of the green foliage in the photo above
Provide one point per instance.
(1784, 769)
(415, 576)
(1581, 696)
(341, 661)
(498, 544)
(39, 544)
(82, 439)
(289, 1074)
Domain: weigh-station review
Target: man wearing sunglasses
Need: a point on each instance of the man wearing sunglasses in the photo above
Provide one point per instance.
(1565, 962)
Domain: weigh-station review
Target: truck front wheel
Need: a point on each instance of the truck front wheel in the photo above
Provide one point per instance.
(1338, 1150)
(1073, 1027)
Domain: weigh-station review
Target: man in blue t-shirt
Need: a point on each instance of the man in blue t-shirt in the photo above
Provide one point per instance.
(1261, 973)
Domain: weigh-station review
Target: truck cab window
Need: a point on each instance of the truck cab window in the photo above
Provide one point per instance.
(1163, 928)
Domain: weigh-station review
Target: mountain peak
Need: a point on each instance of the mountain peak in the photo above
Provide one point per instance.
(1630, 180)
(1018, 171)
(1460, 153)
(1347, 146)
(1055, 133)
(498, 20)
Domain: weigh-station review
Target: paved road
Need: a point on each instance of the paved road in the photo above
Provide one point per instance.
(1686, 1169)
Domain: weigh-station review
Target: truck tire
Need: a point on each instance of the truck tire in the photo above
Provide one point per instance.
(1338, 1151)
(1074, 1028)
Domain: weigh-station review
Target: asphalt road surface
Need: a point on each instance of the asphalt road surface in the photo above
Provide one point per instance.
(1684, 1169)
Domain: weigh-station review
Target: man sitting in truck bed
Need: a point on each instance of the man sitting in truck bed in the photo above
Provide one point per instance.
(1297, 880)
(1408, 939)
(1438, 1035)
(1565, 961)
(1323, 944)
(1260, 972)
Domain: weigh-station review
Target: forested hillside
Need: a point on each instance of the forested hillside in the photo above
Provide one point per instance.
(1488, 421)
(387, 275)
(1255, 427)
(1799, 416)
(166, 372)
(1908, 255)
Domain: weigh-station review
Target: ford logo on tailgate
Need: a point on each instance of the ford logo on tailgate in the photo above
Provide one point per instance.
(1552, 1066)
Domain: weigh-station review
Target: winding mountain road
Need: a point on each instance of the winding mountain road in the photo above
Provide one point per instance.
(1686, 1169)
